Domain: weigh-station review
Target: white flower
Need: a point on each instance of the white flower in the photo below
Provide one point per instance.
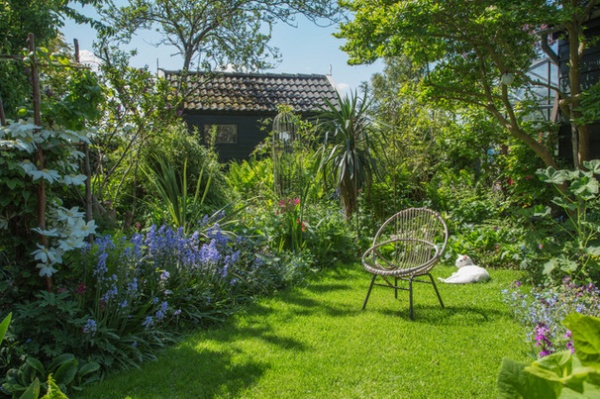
(49, 175)
(71, 243)
(47, 233)
(47, 255)
(83, 229)
(69, 215)
(74, 180)
(46, 270)
(27, 166)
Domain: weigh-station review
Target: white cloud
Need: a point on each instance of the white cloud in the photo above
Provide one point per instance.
(88, 58)
(343, 88)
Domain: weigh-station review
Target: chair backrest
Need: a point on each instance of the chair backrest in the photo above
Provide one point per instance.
(412, 239)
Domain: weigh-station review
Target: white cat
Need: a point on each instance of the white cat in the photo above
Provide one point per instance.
(467, 272)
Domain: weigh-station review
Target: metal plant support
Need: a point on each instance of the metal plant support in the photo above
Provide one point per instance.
(286, 166)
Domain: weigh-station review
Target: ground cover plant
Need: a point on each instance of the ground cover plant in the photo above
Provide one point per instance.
(314, 342)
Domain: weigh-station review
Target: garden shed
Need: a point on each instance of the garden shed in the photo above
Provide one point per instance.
(237, 104)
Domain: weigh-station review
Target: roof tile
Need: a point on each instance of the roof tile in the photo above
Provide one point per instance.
(255, 92)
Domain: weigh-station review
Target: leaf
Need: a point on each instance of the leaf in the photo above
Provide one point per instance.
(4, 326)
(593, 166)
(36, 365)
(59, 360)
(33, 391)
(593, 251)
(553, 176)
(88, 368)
(586, 338)
(550, 266)
(585, 187)
(564, 203)
(515, 383)
(553, 367)
(541, 211)
(66, 372)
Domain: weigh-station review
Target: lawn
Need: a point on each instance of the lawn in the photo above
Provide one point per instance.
(314, 342)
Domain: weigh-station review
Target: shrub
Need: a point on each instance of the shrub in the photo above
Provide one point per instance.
(544, 307)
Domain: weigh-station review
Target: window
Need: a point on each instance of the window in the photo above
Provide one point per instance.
(225, 133)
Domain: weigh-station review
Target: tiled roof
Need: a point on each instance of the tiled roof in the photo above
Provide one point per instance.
(252, 92)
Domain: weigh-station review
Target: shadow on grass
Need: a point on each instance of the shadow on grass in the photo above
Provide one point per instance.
(449, 315)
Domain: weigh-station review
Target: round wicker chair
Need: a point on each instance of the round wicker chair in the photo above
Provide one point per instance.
(406, 246)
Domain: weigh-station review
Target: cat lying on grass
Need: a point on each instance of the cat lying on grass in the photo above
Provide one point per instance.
(467, 272)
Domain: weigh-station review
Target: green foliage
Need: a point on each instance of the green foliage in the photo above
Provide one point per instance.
(579, 199)
(347, 148)
(53, 319)
(466, 60)
(562, 374)
(251, 178)
(62, 373)
(4, 326)
(210, 34)
(172, 189)
(44, 159)
(139, 108)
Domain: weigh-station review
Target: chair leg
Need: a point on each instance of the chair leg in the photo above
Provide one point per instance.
(410, 296)
(369, 292)
(435, 288)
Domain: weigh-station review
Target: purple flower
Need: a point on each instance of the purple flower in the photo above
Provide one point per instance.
(209, 254)
(90, 327)
(148, 322)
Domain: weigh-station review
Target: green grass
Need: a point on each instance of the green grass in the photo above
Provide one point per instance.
(314, 342)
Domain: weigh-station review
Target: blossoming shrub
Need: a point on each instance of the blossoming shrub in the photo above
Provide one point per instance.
(123, 297)
(318, 229)
(544, 308)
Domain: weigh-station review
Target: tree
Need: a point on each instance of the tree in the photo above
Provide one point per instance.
(211, 33)
(479, 52)
(347, 147)
(18, 18)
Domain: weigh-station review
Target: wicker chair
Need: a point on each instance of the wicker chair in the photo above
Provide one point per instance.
(406, 246)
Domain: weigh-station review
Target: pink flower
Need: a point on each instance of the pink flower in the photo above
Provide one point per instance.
(81, 289)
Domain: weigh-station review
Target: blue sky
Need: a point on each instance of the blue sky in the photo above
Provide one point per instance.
(306, 49)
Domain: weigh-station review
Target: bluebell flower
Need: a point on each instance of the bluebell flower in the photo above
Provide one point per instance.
(164, 276)
(155, 300)
(101, 268)
(215, 234)
(132, 287)
(111, 293)
(159, 315)
(90, 327)
(148, 322)
(209, 254)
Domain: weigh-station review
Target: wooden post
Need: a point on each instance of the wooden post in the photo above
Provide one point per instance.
(2, 116)
(86, 160)
(39, 156)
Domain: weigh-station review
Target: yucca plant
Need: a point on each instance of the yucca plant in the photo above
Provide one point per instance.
(172, 188)
(346, 149)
